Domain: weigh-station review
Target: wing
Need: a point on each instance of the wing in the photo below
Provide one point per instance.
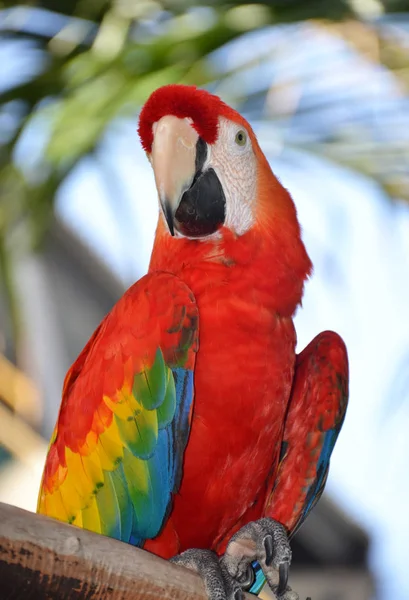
(115, 457)
(315, 415)
(314, 419)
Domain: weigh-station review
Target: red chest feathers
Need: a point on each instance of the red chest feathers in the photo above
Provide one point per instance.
(247, 290)
(242, 380)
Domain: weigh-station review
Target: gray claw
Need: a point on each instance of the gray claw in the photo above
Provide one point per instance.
(246, 579)
(265, 541)
(269, 550)
(283, 578)
(219, 585)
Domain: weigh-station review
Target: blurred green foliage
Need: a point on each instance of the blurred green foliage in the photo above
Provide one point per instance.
(91, 61)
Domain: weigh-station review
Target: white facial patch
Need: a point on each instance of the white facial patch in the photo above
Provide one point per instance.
(235, 165)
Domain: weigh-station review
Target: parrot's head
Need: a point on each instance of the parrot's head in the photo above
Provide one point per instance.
(221, 204)
(209, 169)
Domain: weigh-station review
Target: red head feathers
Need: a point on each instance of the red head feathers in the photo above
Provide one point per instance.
(185, 101)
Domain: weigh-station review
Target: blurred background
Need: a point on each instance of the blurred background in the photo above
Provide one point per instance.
(326, 87)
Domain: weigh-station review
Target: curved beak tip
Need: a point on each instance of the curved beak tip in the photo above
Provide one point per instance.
(173, 159)
(169, 216)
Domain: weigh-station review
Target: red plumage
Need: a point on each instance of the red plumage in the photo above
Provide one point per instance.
(264, 421)
(247, 289)
(244, 369)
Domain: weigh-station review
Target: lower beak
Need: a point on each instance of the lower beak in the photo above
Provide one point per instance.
(174, 162)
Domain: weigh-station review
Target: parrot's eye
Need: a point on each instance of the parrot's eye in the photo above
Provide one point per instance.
(241, 138)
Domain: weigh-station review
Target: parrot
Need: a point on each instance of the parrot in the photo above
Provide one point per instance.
(189, 426)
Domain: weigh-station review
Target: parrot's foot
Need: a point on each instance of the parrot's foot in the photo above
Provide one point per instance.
(217, 581)
(264, 541)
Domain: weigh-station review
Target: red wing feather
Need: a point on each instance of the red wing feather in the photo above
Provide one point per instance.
(315, 415)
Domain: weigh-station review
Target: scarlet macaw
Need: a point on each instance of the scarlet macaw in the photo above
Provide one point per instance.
(188, 426)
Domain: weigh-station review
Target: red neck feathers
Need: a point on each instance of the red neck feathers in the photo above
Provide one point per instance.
(268, 263)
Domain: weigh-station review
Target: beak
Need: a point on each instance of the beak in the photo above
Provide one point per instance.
(173, 160)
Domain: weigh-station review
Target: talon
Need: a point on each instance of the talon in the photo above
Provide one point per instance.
(247, 579)
(268, 547)
(264, 541)
(219, 585)
(283, 578)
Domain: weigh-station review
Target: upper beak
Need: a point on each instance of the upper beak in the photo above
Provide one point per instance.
(173, 160)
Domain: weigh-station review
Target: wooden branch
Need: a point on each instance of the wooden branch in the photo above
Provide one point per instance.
(41, 558)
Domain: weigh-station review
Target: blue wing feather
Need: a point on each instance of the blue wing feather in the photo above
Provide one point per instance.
(165, 464)
(313, 495)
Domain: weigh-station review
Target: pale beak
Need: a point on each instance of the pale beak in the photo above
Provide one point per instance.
(173, 160)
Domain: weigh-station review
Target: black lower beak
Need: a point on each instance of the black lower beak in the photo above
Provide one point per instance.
(202, 209)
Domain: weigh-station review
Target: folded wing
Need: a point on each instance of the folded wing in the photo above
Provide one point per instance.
(315, 415)
(115, 457)
(314, 419)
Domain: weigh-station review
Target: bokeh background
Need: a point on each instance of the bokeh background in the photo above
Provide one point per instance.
(326, 87)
